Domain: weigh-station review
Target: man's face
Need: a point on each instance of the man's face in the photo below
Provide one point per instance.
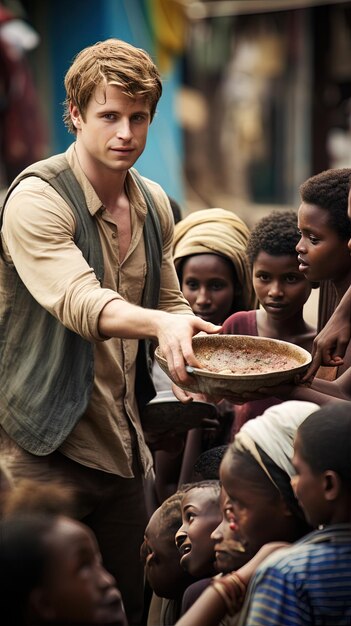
(112, 133)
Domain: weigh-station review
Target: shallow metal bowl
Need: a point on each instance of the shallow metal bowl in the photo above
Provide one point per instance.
(266, 362)
(165, 414)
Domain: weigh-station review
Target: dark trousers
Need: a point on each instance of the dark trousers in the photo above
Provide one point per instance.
(113, 507)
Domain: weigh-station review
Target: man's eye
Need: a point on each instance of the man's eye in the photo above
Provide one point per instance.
(139, 118)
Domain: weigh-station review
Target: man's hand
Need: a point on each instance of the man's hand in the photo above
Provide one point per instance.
(174, 334)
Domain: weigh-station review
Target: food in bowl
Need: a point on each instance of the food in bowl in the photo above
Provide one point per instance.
(247, 360)
(241, 364)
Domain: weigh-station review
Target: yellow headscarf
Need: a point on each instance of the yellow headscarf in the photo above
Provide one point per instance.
(217, 231)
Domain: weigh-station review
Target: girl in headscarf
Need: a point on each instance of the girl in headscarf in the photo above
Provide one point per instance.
(209, 253)
(210, 257)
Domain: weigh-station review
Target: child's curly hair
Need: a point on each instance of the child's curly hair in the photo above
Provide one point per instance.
(329, 190)
(275, 234)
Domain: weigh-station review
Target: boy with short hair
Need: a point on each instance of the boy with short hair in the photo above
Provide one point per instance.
(310, 582)
(282, 292)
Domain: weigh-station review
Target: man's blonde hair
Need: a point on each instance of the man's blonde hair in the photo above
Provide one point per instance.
(111, 62)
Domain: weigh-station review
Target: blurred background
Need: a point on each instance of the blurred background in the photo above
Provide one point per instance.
(257, 93)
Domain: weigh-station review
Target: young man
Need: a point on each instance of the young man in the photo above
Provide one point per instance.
(86, 271)
(310, 582)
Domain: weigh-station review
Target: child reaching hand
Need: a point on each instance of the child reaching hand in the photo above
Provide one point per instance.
(282, 292)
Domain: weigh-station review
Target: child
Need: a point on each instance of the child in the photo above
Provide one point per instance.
(51, 573)
(325, 229)
(160, 556)
(281, 290)
(230, 552)
(209, 256)
(200, 516)
(310, 583)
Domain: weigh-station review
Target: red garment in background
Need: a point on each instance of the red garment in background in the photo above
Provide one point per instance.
(22, 130)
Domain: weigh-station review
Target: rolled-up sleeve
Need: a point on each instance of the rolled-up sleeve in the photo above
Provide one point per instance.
(38, 236)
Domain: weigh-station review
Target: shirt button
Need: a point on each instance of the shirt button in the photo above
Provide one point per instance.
(114, 235)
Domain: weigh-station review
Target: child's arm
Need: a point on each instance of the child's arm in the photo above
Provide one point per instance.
(212, 605)
(321, 391)
(330, 344)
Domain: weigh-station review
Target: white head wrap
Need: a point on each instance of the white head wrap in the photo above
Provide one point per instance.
(274, 432)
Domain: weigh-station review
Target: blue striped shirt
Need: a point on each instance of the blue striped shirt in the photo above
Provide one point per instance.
(308, 583)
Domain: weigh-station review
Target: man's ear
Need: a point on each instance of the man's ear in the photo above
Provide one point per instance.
(331, 485)
(39, 605)
(75, 115)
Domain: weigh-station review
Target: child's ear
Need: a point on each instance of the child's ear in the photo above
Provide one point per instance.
(331, 484)
(39, 605)
(284, 508)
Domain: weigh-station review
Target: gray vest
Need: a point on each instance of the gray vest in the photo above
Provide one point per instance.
(46, 370)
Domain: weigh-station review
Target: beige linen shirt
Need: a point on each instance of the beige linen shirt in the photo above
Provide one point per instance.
(38, 236)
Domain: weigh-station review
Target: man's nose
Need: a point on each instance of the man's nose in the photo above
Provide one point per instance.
(124, 130)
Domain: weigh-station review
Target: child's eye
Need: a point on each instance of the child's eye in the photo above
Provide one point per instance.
(217, 286)
(229, 514)
(190, 516)
(291, 279)
(314, 240)
(192, 285)
(265, 278)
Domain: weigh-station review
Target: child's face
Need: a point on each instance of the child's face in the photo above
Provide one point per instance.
(200, 515)
(208, 285)
(76, 587)
(230, 553)
(259, 517)
(161, 559)
(322, 254)
(281, 289)
(308, 488)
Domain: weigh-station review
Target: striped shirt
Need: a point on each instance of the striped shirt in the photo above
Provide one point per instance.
(308, 583)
